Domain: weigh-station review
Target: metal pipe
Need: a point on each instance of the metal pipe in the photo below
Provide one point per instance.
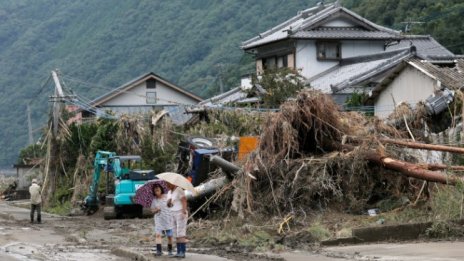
(207, 188)
(211, 186)
(229, 168)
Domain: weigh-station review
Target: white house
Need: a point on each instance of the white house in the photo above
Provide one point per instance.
(416, 80)
(143, 94)
(317, 38)
(337, 50)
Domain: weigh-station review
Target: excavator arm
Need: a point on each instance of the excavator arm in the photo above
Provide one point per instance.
(102, 162)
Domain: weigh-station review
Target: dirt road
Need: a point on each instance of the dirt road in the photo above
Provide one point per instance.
(92, 238)
(75, 238)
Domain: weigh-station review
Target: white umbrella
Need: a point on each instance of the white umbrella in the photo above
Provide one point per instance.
(178, 180)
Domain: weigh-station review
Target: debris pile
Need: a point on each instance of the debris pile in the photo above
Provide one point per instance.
(312, 155)
(298, 165)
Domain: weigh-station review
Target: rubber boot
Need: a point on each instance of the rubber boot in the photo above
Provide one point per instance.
(181, 253)
(159, 251)
(170, 250)
(178, 248)
(184, 249)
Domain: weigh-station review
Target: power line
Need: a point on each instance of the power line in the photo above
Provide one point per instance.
(38, 92)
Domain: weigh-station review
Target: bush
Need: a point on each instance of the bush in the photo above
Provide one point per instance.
(280, 84)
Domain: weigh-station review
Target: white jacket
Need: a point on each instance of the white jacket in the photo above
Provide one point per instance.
(36, 198)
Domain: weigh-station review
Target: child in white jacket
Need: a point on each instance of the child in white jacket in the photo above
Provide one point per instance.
(163, 219)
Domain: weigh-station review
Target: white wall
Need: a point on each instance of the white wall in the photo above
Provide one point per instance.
(306, 56)
(409, 86)
(137, 96)
(340, 22)
(306, 59)
(352, 48)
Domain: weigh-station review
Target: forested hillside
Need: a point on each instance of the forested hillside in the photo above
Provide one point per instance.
(190, 42)
(443, 19)
(109, 42)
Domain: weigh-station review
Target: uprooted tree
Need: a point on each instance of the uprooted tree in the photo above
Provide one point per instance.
(307, 160)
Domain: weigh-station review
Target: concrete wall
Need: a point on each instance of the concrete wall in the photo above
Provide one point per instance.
(409, 86)
(25, 174)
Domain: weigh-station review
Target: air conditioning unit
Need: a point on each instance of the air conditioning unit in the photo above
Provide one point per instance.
(439, 102)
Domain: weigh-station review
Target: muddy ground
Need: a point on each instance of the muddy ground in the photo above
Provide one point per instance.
(92, 238)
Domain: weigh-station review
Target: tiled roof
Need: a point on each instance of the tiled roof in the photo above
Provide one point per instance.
(235, 95)
(310, 19)
(427, 48)
(356, 71)
(344, 33)
(451, 75)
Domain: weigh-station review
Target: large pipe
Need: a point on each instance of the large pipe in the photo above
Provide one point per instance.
(211, 186)
(229, 168)
(207, 188)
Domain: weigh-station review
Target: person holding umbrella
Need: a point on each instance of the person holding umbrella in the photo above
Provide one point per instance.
(163, 219)
(152, 195)
(177, 202)
(178, 205)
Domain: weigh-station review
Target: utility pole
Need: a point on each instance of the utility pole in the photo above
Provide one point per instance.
(51, 165)
(29, 125)
(221, 84)
(409, 24)
(58, 100)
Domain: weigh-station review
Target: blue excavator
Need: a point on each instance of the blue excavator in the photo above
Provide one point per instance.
(123, 178)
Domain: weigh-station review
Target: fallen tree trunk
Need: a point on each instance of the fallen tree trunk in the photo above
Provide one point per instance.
(420, 171)
(423, 146)
(442, 167)
(413, 170)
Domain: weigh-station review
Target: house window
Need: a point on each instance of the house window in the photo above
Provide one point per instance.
(151, 97)
(151, 84)
(269, 63)
(328, 51)
(273, 62)
(282, 61)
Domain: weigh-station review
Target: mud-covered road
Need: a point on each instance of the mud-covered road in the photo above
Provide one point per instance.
(92, 238)
(75, 238)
